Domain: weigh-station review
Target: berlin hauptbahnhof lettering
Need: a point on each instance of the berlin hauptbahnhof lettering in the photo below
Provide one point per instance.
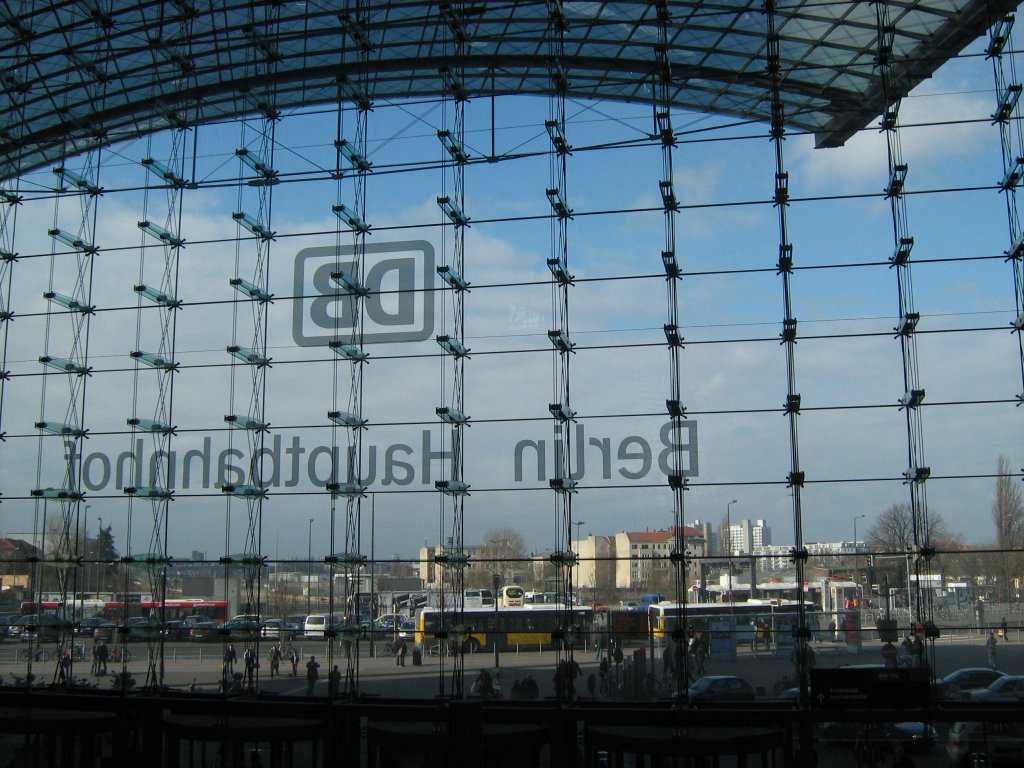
(290, 465)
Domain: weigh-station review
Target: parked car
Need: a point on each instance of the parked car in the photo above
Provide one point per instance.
(716, 688)
(140, 629)
(1006, 688)
(240, 629)
(276, 629)
(107, 632)
(16, 627)
(1000, 743)
(913, 737)
(389, 622)
(318, 623)
(42, 627)
(407, 630)
(86, 627)
(175, 631)
(956, 684)
(295, 623)
(205, 632)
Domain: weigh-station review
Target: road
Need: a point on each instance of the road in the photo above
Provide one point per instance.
(379, 676)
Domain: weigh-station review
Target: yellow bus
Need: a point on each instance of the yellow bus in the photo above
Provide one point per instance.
(479, 629)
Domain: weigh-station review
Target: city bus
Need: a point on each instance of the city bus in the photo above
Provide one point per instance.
(511, 596)
(779, 616)
(536, 628)
(115, 610)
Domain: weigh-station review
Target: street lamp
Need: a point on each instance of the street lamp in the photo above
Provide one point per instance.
(856, 549)
(728, 538)
(99, 569)
(85, 549)
(579, 524)
(309, 566)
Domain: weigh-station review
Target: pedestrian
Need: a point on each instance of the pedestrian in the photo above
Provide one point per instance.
(1002, 626)
(483, 686)
(400, 651)
(104, 655)
(275, 660)
(334, 682)
(990, 645)
(293, 657)
(529, 688)
(230, 657)
(252, 662)
(95, 668)
(889, 654)
(312, 673)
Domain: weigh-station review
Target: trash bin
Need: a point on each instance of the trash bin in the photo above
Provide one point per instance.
(417, 657)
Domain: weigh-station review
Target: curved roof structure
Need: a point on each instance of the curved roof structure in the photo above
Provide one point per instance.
(81, 73)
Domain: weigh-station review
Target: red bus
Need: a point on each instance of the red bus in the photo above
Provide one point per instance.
(112, 610)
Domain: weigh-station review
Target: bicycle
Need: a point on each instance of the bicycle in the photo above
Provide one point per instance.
(121, 654)
(34, 654)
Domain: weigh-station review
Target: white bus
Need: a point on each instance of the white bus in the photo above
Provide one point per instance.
(511, 597)
(473, 599)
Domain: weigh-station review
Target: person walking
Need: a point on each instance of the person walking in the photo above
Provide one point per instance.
(990, 646)
(293, 657)
(312, 673)
(104, 656)
(230, 657)
(1003, 629)
(275, 660)
(400, 651)
(252, 662)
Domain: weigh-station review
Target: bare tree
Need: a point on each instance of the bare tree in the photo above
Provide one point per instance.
(893, 531)
(1008, 516)
(505, 546)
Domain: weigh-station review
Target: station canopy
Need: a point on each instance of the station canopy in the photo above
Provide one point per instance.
(79, 74)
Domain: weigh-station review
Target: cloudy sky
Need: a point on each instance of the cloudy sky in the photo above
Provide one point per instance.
(853, 443)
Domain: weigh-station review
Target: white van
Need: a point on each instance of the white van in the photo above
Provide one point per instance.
(317, 623)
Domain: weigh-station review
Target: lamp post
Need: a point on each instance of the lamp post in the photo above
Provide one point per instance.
(579, 524)
(99, 569)
(728, 545)
(85, 548)
(496, 584)
(309, 566)
(856, 549)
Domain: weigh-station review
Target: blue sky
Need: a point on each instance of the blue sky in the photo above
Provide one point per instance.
(621, 367)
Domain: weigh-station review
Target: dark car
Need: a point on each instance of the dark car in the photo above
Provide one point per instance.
(240, 629)
(913, 737)
(175, 631)
(205, 632)
(956, 684)
(43, 628)
(86, 627)
(1005, 688)
(107, 632)
(141, 629)
(715, 688)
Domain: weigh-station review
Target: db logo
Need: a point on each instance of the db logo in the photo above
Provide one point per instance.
(399, 305)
